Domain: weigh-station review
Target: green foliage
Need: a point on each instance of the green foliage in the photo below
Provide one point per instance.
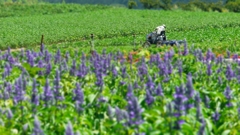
(148, 4)
(233, 6)
(131, 4)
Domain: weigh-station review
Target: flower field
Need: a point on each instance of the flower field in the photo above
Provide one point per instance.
(179, 90)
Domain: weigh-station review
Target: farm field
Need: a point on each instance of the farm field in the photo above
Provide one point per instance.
(197, 27)
(64, 86)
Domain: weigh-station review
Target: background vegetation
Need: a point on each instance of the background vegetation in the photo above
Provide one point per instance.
(192, 5)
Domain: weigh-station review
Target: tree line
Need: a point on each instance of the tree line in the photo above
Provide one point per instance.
(190, 5)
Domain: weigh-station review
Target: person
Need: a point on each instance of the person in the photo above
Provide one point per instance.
(160, 30)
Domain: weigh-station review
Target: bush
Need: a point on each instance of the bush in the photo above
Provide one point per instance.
(233, 6)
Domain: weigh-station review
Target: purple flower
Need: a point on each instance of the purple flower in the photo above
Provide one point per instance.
(229, 72)
(150, 84)
(57, 87)
(134, 111)
(185, 51)
(57, 57)
(48, 68)
(228, 95)
(135, 85)
(7, 70)
(37, 127)
(9, 114)
(47, 56)
(123, 71)
(178, 124)
(40, 65)
(30, 59)
(20, 87)
(114, 71)
(130, 91)
(149, 98)
(48, 94)
(179, 101)
(220, 60)
(189, 86)
(216, 116)
(100, 82)
(209, 69)
(159, 91)
(35, 97)
(69, 129)
(78, 94)
(202, 127)
(82, 71)
(73, 68)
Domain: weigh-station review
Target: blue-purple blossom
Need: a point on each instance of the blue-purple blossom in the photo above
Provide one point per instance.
(216, 116)
(9, 114)
(40, 65)
(209, 69)
(229, 72)
(150, 85)
(37, 127)
(130, 91)
(48, 94)
(48, 69)
(228, 95)
(78, 94)
(159, 90)
(114, 71)
(57, 57)
(202, 127)
(189, 86)
(20, 87)
(149, 98)
(185, 51)
(57, 87)
(134, 111)
(69, 129)
(35, 97)
(73, 68)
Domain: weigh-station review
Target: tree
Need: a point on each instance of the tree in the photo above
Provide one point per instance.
(233, 5)
(150, 3)
(131, 4)
(166, 4)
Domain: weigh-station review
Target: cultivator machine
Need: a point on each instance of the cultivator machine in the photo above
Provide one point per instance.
(159, 39)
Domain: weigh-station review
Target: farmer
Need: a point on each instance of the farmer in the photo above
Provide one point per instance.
(160, 30)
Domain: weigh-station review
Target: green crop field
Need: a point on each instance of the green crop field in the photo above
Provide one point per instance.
(112, 85)
(200, 28)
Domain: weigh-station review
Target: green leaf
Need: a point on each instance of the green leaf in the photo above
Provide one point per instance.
(209, 124)
(226, 132)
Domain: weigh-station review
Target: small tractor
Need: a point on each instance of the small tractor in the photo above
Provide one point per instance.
(159, 38)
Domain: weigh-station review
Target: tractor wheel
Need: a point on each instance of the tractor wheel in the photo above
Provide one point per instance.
(159, 43)
(146, 44)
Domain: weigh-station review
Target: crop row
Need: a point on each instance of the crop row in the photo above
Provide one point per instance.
(180, 91)
(114, 23)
